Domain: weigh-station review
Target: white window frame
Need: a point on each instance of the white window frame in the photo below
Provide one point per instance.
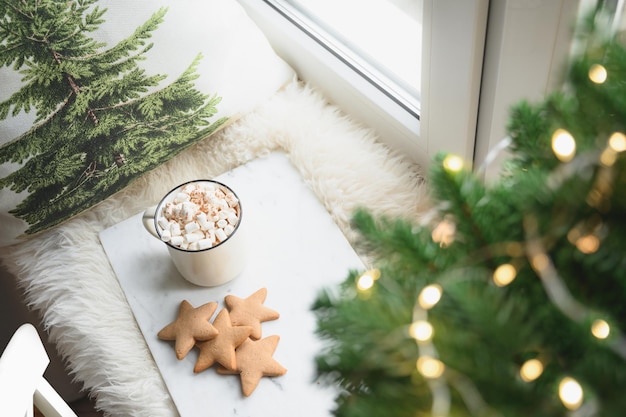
(478, 60)
(359, 98)
(526, 54)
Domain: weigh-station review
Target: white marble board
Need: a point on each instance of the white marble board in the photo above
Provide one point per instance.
(294, 249)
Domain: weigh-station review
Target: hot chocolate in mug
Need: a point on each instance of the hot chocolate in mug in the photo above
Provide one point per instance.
(200, 223)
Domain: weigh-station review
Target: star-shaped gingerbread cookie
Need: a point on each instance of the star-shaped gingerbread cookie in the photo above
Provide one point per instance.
(221, 348)
(250, 311)
(191, 325)
(254, 361)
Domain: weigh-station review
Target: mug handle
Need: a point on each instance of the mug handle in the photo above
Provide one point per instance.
(148, 221)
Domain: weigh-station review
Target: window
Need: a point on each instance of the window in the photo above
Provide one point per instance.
(381, 40)
(478, 57)
(441, 116)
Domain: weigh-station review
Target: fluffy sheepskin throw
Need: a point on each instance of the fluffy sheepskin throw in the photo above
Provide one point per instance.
(66, 275)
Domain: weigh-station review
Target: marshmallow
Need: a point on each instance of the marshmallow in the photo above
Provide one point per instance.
(166, 235)
(181, 198)
(203, 222)
(220, 235)
(198, 216)
(204, 244)
(211, 236)
(193, 237)
(176, 240)
(163, 222)
(192, 227)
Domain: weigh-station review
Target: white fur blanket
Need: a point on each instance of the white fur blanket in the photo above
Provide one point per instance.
(66, 275)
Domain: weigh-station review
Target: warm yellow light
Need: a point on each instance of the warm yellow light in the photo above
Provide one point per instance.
(422, 331)
(443, 233)
(588, 244)
(608, 157)
(570, 393)
(597, 74)
(531, 370)
(617, 142)
(429, 296)
(573, 235)
(430, 367)
(453, 163)
(563, 145)
(540, 262)
(600, 329)
(504, 275)
(365, 282)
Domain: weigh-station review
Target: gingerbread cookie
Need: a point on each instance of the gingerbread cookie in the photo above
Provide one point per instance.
(250, 311)
(191, 325)
(221, 348)
(254, 361)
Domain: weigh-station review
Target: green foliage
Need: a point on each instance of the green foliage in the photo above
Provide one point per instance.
(101, 121)
(559, 224)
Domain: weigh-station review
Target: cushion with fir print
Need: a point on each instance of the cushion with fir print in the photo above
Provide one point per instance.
(97, 92)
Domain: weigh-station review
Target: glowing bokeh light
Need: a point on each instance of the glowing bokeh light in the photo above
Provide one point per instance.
(531, 370)
(430, 296)
(504, 275)
(617, 142)
(365, 282)
(430, 367)
(598, 74)
(570, 393)
(608, 157)
(453, 163)
(540, 262)
(600, 329)
(563, 145)
(422, 331)
(588, 244)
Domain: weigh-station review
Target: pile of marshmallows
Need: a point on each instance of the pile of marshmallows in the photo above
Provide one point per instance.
(200, 216)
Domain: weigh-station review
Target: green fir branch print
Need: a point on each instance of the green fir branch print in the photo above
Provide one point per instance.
(101, 120)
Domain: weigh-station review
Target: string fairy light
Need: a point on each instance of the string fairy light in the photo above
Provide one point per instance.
(504, 275)
(570, 393)
(563, 145)
(366, 280)
(430, 296)
(555, 287)
(427, 363)
(453, 163)
(615, 145)
(617, 142)
(588, 244)
(531, 370)
(421, 331)
(430, 367)
(600, 329)
(598, 74)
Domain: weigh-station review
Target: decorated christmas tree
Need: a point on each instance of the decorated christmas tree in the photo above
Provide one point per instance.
(511, 299)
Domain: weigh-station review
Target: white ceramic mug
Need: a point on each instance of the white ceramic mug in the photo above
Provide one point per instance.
(207, 267)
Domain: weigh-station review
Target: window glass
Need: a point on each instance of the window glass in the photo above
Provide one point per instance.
(381, 39)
